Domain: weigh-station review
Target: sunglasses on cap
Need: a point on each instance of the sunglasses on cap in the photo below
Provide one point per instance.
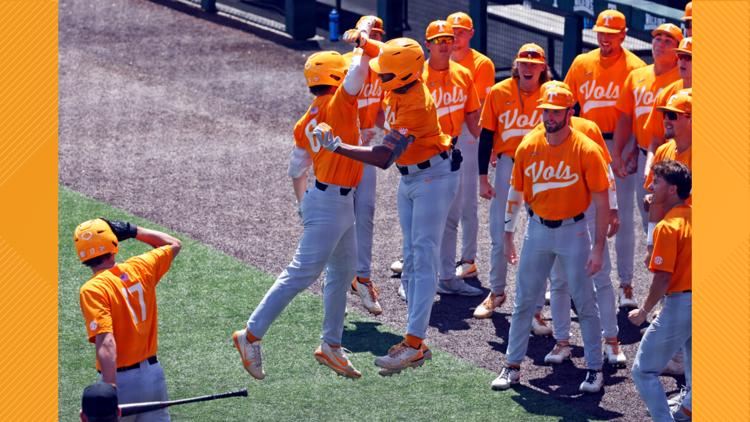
(685, 57)
(530, 54)
(442, 40)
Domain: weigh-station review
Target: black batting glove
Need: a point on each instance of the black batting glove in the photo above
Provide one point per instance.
(122, 229)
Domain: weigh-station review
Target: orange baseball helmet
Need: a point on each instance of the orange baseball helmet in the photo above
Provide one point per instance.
(94, 238)
(325, 68)
(402, 57)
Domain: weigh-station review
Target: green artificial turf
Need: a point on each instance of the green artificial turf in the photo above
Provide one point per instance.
(208, 294)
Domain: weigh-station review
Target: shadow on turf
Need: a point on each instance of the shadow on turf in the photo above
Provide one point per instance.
(452, 312)
(538, 404)
(366, 337)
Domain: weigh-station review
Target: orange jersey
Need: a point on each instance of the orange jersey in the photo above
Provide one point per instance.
(590, 129)
(638, 96)
(453, 93)
(122, 301)
(668, 151)
(597, 82)
(654, 123)
(482, 70)
(340, 111)
(414, 113)
(557, 181)
(673, 248)
(510, 113)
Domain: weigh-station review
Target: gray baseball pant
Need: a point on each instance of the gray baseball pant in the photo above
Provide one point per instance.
(364, 213)
(469, 146)
(498, 263)
(146, 383)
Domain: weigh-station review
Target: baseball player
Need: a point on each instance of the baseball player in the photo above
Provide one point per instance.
(456, 100)
(639, 91)
(557, 173)
(509, 113)
(688, 19)
(368, 103)
(426, 191)
(655, 122)
(119, 308)
(671, 263)
(327, 210)
(596, 79)
(99, 403)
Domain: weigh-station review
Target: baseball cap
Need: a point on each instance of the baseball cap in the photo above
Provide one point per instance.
(686, 46)
(99, 400)
(556, 98)
(460, 20)
(377, 26)
(688, 12)
(531, 53)
(668, 29)
(680, 102)
(438, 29)
(610, 21)
(552, 84)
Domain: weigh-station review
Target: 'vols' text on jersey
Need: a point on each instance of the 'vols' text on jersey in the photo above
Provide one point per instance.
(339, 110)
(510, 113)
(557, 181)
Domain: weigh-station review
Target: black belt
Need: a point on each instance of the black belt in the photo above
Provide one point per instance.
(643, 151)
(608, 136)
(553, 224)
(152, 361)
(322, 186)
(681, 291)
(404, 170)
(500, 154)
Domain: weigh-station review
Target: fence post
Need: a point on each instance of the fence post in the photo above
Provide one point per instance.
(391, 11)
(572, 40)
(478, 13)
(299, 18)
(208, 6)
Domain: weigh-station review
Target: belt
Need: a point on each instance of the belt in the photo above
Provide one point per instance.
(680, 291)
(608, 136)
(643, 151)
(404, 170)
(500, 155)
(322, 186)
(151, 360)
(553, 224)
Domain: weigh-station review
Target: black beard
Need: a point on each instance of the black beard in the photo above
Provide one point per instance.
(553, 128)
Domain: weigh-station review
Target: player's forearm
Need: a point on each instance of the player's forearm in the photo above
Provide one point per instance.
(299, 184)
(657, 290)
(376, 155)
(485, 150)
(623, 130)
(106, 354)
(513, 209)
(158, 239)
(472, 123)
(601, 205)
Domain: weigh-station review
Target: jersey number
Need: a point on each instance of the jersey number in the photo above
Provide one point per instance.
(138, 289)
(314, 144)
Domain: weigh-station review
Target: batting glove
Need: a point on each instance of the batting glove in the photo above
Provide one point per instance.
(323, 134)
(122, 229)
(397, 142)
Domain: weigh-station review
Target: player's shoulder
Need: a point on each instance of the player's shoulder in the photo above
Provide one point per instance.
(481, 59)
(532, 139)
(586, 58)
(583, 125)
(504, 87)
(664, 149)
(632, 59)
(641, 72)
(675, 220)
(583, 142)
(458, 70)
(98, 284)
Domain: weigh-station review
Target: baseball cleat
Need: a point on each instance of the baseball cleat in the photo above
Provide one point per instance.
(487, 308)
(250, 354)
(508, 377)
(679, 415)
(547, 297)
(465, 269)
(334, 358)
(368, 294)
(402, 290)
(539, 327)
(398, 266)
(560, 353)
(625, 296)
(593, 382)
(457, 286)
(614, 354)
(676, 400)
(402, 356)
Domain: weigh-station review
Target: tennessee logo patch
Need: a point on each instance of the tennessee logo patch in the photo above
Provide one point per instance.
(93, 326)
(314, 110)
(658, 260)
(403, 131)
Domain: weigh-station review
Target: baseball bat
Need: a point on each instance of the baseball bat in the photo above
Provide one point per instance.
(135, 408)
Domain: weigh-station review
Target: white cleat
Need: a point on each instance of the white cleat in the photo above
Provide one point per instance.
(508, 377)
(539, 327)
(625, 296)
(560, 353)
(368, 294)
(398, 266)
(334, 358)
(593, 382)
(547, 297)
(402, 291)
(466, 269)
(402, 356)
(614, 355)
(487, 308)
(250, 354)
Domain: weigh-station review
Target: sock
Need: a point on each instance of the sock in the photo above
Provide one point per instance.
(363, 280)
(413, 341)
(250, 337)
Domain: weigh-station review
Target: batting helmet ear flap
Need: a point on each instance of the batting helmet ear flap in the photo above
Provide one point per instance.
(94, 238)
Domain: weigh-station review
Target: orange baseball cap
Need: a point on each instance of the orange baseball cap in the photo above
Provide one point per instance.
(610, 21)
(686, 46)
(460, 20)
(688, 12)
(553, 84)
(531, 53)
(556, 98)
(438, 29)
(668, 29)
(680, 102)
(377, 25)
